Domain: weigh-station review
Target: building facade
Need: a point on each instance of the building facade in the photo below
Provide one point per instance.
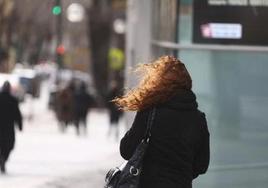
(229, 80)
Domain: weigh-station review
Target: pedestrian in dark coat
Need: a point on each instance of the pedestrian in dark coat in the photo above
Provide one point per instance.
(83, 101)
(10, 116)
(64, 106)
(114, 112)
(179, 144)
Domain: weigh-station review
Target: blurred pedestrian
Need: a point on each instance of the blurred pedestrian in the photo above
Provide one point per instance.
(10, 116)
(178, 148)
(64, 106)
(114, 112)
(83, 101)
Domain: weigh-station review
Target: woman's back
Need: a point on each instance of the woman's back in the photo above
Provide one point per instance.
(178, 149)
(179, 145)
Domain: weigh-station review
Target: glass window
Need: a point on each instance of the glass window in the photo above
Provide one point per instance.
(164, 19)
(231, 90)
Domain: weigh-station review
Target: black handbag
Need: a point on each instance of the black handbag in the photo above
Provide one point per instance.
(128, 176)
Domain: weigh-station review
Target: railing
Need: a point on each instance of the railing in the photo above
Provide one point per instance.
(216, 47)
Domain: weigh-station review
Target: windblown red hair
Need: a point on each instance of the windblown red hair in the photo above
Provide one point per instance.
(159, 82)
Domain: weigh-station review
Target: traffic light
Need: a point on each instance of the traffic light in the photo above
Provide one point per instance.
(56, 10)
(60, 50)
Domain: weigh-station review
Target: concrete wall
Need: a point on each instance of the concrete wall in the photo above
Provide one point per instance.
(138, 39)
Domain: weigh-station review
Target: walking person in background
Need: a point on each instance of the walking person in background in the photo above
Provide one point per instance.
(114, 112)
(10, 116)
(64, 106)
(83, 101)
(178, 149)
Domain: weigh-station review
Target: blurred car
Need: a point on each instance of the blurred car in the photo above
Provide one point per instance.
(17, 89)
(45, 69)
(29, 79)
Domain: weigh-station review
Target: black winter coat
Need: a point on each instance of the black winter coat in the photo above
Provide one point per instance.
(179, 146)
(82, 103)
(10, 114)
(114, 112)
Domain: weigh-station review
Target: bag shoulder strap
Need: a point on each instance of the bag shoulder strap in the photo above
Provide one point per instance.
(149, 124)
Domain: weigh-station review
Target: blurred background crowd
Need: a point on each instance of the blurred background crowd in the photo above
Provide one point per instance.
(76, 46)
(63, 59)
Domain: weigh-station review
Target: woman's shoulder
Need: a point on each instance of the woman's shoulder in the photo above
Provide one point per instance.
(201, 114)
(145, 112)
(203, 121)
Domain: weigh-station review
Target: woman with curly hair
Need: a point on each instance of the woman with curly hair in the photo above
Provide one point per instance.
(178, 150)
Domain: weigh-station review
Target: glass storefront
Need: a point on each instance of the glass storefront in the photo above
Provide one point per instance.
(164, 18)
(230, 84)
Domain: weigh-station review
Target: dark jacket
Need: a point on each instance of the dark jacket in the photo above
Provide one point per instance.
(179, 146)
(64, 105)
(114, 112)
(10, 116)
(82, 103)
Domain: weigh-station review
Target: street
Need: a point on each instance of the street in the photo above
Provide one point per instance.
(46, 158)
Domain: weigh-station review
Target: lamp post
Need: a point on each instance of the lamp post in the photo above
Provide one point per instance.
(57, 11)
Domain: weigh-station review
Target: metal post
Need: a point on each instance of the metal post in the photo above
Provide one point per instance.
(59, 33)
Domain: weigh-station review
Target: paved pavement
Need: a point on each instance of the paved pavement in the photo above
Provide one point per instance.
(46, 158)
(87, 179)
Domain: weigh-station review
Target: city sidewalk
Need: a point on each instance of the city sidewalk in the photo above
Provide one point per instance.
(93, 178)
(46, 158)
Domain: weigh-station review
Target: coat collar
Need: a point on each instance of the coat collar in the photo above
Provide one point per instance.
(182, 100)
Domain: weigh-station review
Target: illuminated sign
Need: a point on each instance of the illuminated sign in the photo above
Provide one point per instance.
(240, 22)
